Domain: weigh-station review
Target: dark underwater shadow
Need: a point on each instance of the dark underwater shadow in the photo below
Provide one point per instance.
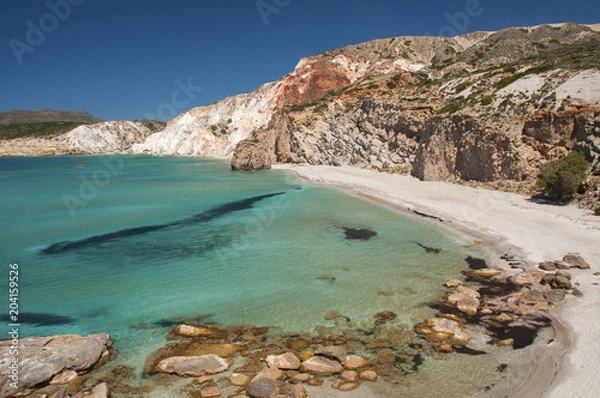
(177, 228)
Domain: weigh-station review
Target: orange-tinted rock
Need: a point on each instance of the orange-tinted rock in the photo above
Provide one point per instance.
(353, 362)
(193, 366)
(368, 375)
(239, 379)
(269, 373)
(198, 331)
(445, 331)
(284, 361)
(318, 365)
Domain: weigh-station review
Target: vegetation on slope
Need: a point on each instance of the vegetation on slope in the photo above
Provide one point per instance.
(560, 179)
(36, 129)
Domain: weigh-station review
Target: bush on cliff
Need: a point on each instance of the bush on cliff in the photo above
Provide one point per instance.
(560, 179)
(597, 211)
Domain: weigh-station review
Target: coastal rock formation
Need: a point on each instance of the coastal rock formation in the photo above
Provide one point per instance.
(488, 107)
(447, 333)
(43, 358)
(110, 137)
(464, 299)
(470, 107)
(98, 138)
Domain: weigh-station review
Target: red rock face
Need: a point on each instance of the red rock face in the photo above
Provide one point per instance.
(312, 81)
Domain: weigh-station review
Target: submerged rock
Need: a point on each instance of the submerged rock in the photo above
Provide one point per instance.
(359, 234)
(336, 353)
(296, 392)
(193, 366)
(322, 366)
(198, 331)
(287, 361)
(99, 391)
(263, 388)
(239, 379)
(443, 331)
(269, 373)
(353, 362)
(382, 317)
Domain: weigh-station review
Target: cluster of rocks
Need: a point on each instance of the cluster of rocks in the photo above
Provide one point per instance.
(242, 361)
(245, 361)
(512, 306)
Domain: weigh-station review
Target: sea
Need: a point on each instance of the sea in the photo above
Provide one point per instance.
(132, 245)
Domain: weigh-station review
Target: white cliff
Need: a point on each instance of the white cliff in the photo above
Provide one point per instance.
(108, 137)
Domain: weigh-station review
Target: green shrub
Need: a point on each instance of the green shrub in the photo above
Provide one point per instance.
(36, 129)
(597, 211)
(463, 86)
(560, 179)
(451, 107)
(508, 80)
(487, 100)
(391, 85)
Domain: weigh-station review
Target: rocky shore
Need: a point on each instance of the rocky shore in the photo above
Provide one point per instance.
(508, 305)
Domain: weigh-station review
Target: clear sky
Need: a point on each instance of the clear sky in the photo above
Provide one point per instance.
(133, 59)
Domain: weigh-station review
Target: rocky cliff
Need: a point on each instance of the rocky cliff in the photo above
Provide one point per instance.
(484, 107)
(104, 137)
(110, 137)
(488, 107)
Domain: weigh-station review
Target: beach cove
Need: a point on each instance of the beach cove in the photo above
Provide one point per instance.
(510, 222)
(398, 193)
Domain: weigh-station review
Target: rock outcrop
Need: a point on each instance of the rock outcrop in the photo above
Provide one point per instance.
(43, 358)
(488, 107)
(110, 137)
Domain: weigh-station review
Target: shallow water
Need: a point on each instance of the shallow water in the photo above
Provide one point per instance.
(129, 243)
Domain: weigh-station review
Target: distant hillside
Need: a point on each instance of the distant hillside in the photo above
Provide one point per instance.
(41, 123)
(46, 115)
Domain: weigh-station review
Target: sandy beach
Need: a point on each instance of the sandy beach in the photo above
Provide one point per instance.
(517, 225)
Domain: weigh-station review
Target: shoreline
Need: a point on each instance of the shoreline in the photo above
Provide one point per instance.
(472, 214)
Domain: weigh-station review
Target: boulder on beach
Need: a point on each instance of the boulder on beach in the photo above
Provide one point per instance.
(42, 358)
(528, 278)
(576, 261)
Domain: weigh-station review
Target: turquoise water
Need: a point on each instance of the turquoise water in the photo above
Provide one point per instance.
(128, 243)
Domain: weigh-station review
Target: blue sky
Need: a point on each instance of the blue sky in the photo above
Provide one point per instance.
(132, 59)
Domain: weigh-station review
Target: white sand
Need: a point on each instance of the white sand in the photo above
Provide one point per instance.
(536, 231)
